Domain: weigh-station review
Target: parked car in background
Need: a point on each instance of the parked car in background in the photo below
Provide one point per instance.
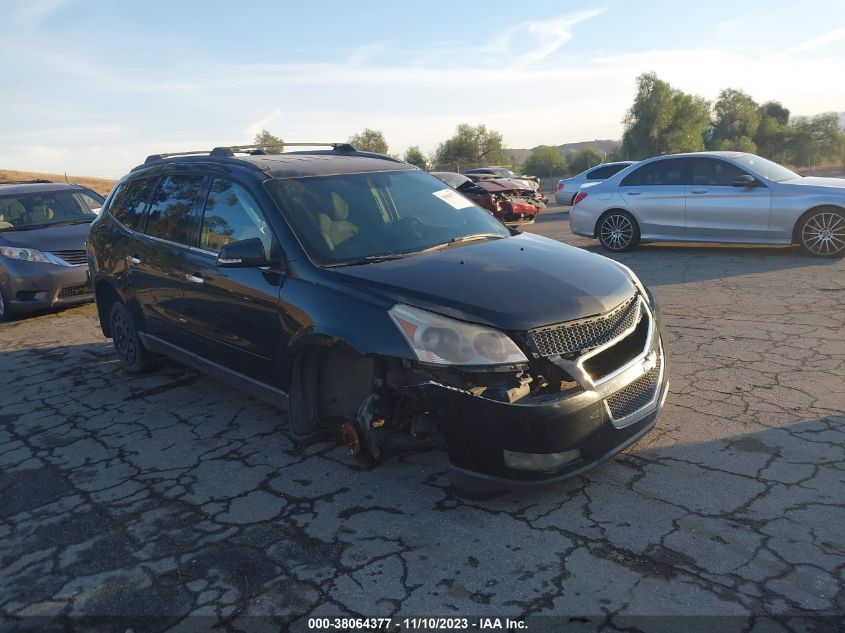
(567, 188)
(371, 300)
(487, 173)
(43, 227)
(730, 197)
(506, 199)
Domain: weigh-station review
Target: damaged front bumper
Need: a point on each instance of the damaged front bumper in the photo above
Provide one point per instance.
(549, 437)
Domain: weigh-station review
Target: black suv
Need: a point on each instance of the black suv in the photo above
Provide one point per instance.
(372, 300)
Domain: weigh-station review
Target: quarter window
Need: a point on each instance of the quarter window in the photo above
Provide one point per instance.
(171, 208)
(130, 201)
(659, 172)
(231, 214)
(714, 172)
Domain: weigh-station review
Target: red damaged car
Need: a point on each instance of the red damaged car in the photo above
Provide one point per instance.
(508, 200)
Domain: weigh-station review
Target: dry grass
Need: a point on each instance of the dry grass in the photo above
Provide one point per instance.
(100, 185)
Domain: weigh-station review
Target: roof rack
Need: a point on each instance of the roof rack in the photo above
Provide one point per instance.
(25, 182)
(254, 150)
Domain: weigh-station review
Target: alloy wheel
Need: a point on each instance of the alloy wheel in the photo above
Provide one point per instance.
(824, 233)
(617, 232)
(124, 338)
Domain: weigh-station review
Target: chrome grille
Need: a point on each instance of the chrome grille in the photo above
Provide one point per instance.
(585, 334)
(636, 395)
(72, 257)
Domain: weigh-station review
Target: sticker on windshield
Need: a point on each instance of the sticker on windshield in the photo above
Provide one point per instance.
(453, 198)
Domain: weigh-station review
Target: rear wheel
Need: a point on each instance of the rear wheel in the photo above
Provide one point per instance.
(134, 357)
(618, 231)
(822, 233)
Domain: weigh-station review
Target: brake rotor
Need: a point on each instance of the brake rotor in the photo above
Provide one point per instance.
(350, 438)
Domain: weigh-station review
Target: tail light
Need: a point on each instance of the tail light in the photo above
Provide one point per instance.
(579, 197)
(559, 185)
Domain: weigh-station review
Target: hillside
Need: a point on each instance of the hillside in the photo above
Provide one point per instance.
(100, 185)
(519, 156)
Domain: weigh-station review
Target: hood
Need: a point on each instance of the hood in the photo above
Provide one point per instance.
(514, 284)
(55, 238)
(818, 182)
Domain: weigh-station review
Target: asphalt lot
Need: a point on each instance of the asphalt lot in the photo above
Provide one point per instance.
(172, 494)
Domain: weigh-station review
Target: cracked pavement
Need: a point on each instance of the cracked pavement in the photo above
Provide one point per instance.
(171, 494)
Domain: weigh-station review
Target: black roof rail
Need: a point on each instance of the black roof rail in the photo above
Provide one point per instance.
(35, 181)
(230, 151)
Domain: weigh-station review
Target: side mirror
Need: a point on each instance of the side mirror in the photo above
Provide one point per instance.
(242, 254)
(746, 180)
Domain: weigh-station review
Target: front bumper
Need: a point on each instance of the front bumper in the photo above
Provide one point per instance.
(31, 286)
(595, 423)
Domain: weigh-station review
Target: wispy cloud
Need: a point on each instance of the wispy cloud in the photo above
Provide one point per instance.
(819, 41)
(262, 124)
(542, 38)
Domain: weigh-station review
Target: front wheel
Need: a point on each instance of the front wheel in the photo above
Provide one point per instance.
(822, 233)
(618, 231)
(134, 357)
(5, 312)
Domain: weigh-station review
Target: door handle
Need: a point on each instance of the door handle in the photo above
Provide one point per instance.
(633, 193)
(194, 278)
(698, 190)
(133, 260)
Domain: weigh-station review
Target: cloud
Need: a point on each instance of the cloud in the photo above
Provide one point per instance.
(819, 41)
(255, 127)
(547, 36)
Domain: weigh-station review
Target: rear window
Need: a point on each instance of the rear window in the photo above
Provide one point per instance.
(170, 216)
(659, 172)
(130, 202)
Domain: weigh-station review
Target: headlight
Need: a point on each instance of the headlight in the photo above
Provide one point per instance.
(26, 254)
(441, 341)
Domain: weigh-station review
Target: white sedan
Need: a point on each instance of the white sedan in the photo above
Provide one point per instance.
(728, 197)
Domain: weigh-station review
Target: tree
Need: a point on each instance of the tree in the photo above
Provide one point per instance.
(545, 160)
(737, 118)
(584, 158)
(816, 140)
(276, 145)
(664, 120)
(369, 141)
(414, 156)
(772, 133)
(470, 146)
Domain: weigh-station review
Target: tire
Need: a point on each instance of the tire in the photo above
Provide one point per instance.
(618, 231)
(5, 312)
(821, 232)
(134, 357)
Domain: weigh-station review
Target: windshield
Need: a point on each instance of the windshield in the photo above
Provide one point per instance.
(766, 168)
(47, 208)
(349, 218)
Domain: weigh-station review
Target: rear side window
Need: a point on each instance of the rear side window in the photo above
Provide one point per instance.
(171, 208)
(231, 214)
(130, 201)
(603, 173)
(660, 172)
(714, 172)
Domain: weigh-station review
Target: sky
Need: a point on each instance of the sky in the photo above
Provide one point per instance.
(91, 87)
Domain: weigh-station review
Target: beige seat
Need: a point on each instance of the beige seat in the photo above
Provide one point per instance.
(10, 212)
(336, 228)
(39, 214)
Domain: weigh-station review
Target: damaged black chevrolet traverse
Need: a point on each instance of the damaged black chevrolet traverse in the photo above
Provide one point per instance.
(371, 299)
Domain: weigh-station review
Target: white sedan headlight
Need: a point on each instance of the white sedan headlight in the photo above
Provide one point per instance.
(443, 341)
(26, 254)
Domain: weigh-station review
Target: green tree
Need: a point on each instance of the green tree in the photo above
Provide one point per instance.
(584, 158)
(772, 133)
(276, 145)
(414, 156)
(545, 160)
(369, 141)
(816, 140)
(737, 118)
(470, 146)
(664, 120)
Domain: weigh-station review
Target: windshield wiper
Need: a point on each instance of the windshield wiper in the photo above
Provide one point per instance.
(369, 259)
(45, 225)
(464, 238)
